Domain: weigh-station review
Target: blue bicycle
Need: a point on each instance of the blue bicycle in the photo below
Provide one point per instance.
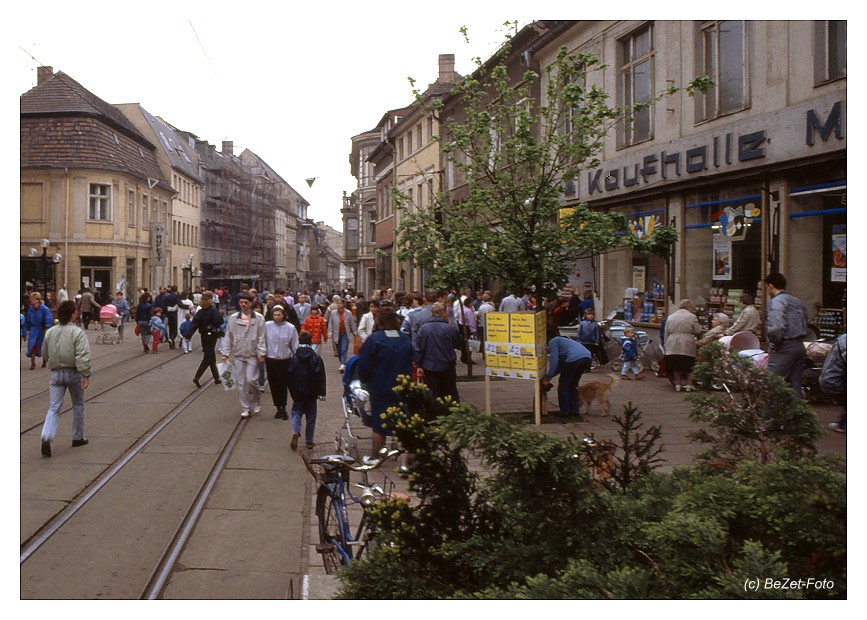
(339, 542)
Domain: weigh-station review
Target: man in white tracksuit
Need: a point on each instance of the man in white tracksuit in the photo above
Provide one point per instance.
(245, 341)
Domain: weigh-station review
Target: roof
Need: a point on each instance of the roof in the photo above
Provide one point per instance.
(61, 95)
(63, 125)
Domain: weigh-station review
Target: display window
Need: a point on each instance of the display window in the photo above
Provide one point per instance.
(722, 248)
(817, 220)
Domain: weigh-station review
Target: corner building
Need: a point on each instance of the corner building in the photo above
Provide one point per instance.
(752, 174)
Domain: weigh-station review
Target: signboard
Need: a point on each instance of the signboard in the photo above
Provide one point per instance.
(639, 277)
(158, 244)
(722, 258)
(838, 258)
(515, 345)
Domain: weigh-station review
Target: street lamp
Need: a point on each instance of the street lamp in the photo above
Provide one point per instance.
(46, 260)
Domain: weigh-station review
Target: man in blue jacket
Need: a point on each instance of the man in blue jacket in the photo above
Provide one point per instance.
(434, 353)
(570, 360)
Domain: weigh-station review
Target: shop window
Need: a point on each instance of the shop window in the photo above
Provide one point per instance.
(722, 247)
(724, 58)
(817, 219)
(636, 85)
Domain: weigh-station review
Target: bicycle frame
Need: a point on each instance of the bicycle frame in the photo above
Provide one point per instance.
(345, 540)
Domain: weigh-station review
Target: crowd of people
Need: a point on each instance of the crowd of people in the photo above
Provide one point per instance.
(276, 339)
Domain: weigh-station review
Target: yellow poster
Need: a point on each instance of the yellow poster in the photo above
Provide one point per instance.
(497, 327)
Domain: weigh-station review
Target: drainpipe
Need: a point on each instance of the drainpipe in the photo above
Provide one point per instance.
(66, 234)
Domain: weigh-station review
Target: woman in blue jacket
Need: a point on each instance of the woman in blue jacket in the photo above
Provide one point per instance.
(386, 354)
(37, 320)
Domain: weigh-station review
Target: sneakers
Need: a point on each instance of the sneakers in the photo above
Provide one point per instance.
(370, 461)
(261, 388)
(294, 443)
(625, 378)
(245, 413)
(834, 426)
(689, 388)
(342, 368)
(677, 388)
(257, 408)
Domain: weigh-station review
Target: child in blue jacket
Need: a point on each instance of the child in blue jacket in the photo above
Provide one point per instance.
(186, 331)
(629, 355)
(157, 327)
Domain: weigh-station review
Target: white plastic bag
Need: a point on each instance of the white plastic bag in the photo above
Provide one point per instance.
(227, 374)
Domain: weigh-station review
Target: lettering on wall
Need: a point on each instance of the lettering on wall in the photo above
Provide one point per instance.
(730, 149)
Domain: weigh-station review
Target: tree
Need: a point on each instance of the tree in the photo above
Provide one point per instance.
(504, 511)
(516, 155)
(756, 416)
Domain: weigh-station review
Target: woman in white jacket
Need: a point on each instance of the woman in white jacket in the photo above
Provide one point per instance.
(365, 325)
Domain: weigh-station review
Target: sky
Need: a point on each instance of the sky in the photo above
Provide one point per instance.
(291, 84)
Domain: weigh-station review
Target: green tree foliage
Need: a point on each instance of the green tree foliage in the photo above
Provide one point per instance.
(755, 416)
(516, 156)
(506, 512)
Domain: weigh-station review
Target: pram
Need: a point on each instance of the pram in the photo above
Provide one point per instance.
(109, 319)
(356, 400)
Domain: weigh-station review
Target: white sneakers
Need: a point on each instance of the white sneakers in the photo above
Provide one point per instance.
(257, 408)
(677, 388)
(245, 413)
(342, 368)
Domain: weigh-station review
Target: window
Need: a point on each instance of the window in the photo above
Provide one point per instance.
(430, 132)
(100, 202)
(144, 211)
(155, 214)
(725, 61)
(636, 85)
(130, 208)
(830, 63)
(400, 148)
(418, 135)
(409, 143)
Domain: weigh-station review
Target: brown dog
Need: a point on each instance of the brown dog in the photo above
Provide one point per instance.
(596, 390)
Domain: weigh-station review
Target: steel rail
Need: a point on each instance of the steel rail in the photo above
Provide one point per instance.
(170, 556)
(29, 547)
(105, 391)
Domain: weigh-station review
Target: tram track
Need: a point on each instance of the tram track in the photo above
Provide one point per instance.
(178, 537)
(93, 396)
(106, 363)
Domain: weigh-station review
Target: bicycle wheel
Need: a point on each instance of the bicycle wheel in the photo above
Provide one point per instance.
(331, 532)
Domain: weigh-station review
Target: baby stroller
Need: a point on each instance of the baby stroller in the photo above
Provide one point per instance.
(109, 319)
(356, 400)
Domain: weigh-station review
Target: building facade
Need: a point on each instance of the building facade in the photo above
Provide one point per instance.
(178, 161)
(752, 174)
(359, 213)
(92, 186)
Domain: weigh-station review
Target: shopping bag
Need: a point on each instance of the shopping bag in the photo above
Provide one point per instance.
(226, 371)
(473, 345)
(137, 332)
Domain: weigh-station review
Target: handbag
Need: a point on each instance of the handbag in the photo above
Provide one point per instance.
(356, 349)
(137, 332)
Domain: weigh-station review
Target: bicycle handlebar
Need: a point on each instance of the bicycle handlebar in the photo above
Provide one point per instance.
(341, 460)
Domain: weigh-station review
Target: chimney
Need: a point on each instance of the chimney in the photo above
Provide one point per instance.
(228, 148)
(43, 73)
(447, 68)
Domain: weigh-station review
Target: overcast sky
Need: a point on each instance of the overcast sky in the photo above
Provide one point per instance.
(291, 84)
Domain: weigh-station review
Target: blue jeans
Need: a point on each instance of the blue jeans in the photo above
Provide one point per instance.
(342, 347)
(60, 381)
(629, 365)
(306, 409)
(567, 386)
